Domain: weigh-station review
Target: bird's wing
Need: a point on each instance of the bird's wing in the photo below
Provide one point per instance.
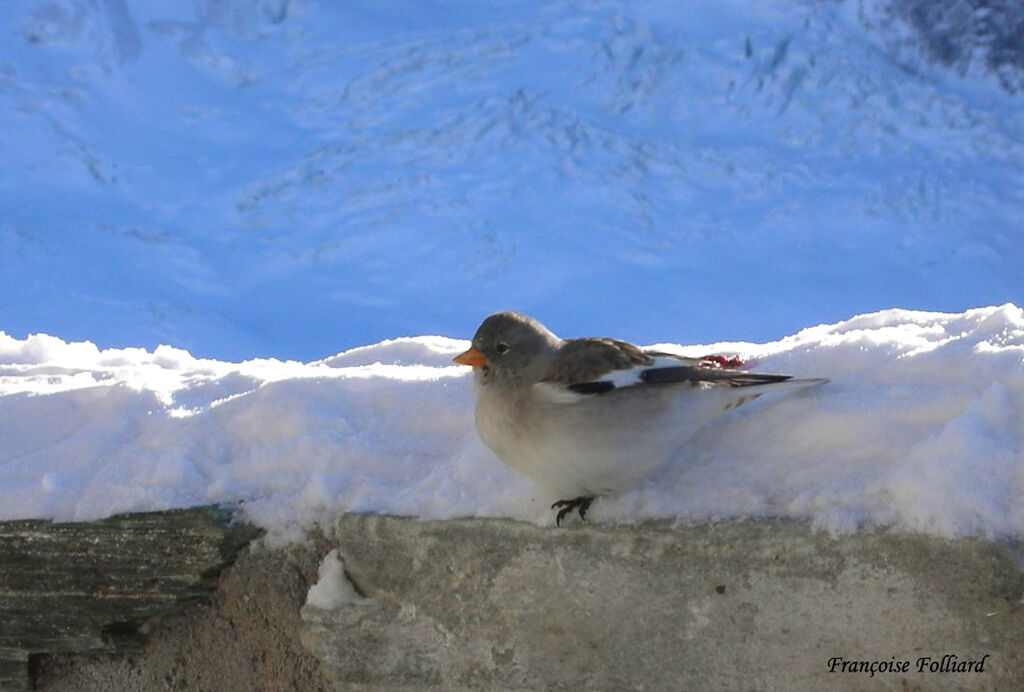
(594, 366)
(590, 359)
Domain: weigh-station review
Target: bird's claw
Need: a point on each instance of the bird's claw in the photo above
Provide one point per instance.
(580, 504)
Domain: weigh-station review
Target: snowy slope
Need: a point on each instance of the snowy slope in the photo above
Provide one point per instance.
(271, 178)
(920, 428)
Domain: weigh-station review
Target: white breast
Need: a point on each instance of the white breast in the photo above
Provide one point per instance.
(589, 445)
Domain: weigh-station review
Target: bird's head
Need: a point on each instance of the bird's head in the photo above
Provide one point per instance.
(510, 347)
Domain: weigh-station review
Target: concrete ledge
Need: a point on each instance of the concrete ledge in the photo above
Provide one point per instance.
(501, 604)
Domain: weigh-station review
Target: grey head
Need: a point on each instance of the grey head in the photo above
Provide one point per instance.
(515, 349)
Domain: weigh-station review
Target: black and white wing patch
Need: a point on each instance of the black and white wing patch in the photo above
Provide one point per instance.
(594, 367)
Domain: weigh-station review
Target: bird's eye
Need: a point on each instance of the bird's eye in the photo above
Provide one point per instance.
(501, 347)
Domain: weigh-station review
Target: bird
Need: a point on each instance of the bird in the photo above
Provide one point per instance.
(593, 416)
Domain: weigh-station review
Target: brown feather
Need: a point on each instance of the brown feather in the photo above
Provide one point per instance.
(589, 358)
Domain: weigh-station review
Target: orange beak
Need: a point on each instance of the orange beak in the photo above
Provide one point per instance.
(471, 357)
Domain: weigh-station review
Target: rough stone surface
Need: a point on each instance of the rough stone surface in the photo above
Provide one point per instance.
(245, 638)
(756, 605)
(752, 605)
(90, 586)
(14, 674)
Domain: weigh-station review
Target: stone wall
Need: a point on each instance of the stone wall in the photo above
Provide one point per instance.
(499, 604)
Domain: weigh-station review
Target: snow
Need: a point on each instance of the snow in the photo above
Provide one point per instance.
(275, 178)
(332, 588)
(201, 202)
(921, 428)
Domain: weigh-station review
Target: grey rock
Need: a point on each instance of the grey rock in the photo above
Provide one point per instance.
(751, 605)
(245, 638)
(94, 586)
(497, 604)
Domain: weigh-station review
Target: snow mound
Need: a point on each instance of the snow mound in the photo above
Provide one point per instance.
(332, 588)
(921, 428)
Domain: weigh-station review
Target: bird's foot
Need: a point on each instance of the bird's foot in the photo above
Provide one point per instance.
(580, 504)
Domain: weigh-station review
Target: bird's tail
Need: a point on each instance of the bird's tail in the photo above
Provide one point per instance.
(749, 390)
(788, 383)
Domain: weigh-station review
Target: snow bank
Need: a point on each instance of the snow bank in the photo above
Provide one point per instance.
(921, 427)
